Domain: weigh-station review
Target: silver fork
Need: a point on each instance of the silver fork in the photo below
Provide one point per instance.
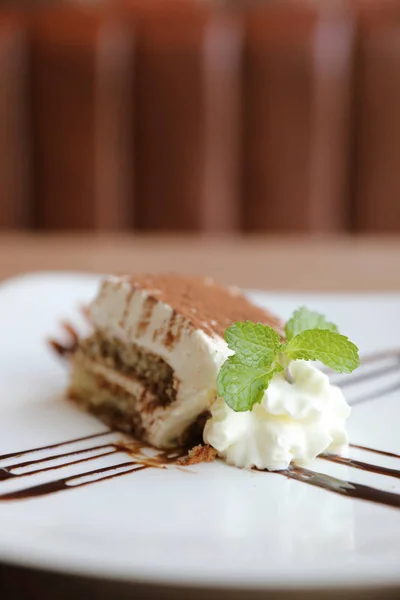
(377, 376)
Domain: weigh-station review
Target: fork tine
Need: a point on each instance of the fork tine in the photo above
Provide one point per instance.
(381, 355)
(361, 377)
(371, 375)
(376, 394)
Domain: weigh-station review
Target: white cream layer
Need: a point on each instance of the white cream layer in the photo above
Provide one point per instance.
(195, 358)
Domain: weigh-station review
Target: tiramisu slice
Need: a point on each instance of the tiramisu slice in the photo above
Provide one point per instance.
(150, 367)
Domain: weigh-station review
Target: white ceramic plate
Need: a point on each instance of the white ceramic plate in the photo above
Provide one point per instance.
(211, 524)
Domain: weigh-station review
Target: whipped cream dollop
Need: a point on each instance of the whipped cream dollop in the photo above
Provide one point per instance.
(295, 422)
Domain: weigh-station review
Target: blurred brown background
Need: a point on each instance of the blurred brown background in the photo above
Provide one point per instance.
(200, 115)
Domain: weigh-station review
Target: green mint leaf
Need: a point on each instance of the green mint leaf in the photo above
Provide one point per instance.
(303, 320)
(332, 349)
(254, 344)
(242, 386)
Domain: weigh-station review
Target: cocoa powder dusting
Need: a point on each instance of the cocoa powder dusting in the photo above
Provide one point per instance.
(203, 303)
(145, 317)
(174, 331)
(169, 338)
(127, 307)
(156, 334)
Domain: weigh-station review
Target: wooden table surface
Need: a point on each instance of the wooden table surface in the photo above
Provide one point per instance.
(269, 263)
(343, 263)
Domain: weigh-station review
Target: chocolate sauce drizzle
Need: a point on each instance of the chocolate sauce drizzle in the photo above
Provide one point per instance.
(59, 445)
(139, 462)
(60, 485)
(349, 488)
(160, 459)
(342, 487)
(361, 465)
(381, 452)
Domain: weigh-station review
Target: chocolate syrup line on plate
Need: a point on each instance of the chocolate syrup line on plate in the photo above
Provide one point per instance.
(139, 462)
(6, 472)
(58, 445)
(381, 452)
(60, 485)
(362, 466)
(28, 463)
(341, 487)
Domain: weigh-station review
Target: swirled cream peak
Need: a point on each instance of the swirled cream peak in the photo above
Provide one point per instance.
(295, 422)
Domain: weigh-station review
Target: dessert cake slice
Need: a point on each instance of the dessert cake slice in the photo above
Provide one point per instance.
(150, 366)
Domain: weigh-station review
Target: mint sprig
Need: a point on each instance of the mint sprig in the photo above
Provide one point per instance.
(303, 320)
(260, 354)
(254, 343)
(328, 347)
(243, 385)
